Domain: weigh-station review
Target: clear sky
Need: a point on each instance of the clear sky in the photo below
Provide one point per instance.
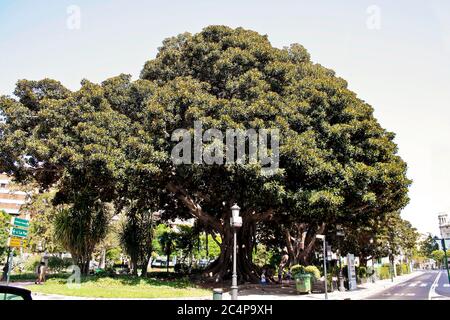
(394, 54)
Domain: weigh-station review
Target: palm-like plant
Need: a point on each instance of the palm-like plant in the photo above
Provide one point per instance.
(168, 242)
(136, 237)
(79, 229)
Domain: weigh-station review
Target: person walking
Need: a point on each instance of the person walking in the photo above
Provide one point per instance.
(39, 272)
(5, 271)
(42, 270)
(282, 265)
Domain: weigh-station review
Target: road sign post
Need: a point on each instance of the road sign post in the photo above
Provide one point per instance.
(19, 222)
(17, 232)
(15, 242)
(11, 250)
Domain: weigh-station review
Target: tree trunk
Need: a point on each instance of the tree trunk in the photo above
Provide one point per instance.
(103, 259)
(207, 245)
(168, 260)
(84, 266)
(222, 267)
(363, 261)
(144, 270)
(82, 263)
(134, 265)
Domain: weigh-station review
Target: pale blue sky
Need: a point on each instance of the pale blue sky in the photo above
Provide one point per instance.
(402, 69)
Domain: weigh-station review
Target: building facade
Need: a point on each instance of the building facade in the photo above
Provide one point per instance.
(444, 225)
(10, 200)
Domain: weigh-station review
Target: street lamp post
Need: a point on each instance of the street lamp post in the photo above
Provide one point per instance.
(340, 233)
(322, 236)
(372, 278)
(236, 222)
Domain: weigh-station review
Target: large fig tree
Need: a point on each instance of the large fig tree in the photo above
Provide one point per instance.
(336, 163)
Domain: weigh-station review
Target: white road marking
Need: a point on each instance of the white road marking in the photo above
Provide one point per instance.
(446, 285)
(424, 284)
(432, 291)
(410, 294)
(413, 284)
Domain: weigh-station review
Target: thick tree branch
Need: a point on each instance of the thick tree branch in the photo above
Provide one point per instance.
(194, 208)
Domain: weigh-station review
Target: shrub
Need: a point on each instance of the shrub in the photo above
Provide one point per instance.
(113, 256)
(181, 268)
(297, 270)
(108, 272)
(57, 264)
(335, 270)
(405, 268)
(398, 269)
(362, 272)
(384, 272)
(314, 272)
(32, 263)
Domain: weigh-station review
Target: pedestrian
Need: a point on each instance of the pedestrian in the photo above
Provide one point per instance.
(280, 274)
(5, 271)
(289, 276)
(263, 278)
(283, 263)
(41, 270)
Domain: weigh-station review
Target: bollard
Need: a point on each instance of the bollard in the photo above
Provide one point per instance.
(217, 294)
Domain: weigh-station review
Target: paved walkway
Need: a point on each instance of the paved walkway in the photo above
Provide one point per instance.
(289, 293)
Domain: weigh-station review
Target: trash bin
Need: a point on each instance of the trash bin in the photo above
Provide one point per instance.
(303, 283)
(217, 294)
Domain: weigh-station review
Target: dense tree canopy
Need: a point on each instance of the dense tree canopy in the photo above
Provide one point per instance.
(428, 245)
(112, 141)
(4, 233)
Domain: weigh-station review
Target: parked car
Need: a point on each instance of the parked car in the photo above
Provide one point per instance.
(161, 262)
(203, 263)
(14, 293)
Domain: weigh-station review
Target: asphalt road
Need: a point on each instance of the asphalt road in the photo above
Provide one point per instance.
(430, 285)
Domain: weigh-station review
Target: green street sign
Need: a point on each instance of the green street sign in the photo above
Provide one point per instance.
(18, 222)
(18, 232)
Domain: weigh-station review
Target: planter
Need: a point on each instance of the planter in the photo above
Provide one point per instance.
(303, 283)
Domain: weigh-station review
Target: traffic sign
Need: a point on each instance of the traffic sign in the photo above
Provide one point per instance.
(16, 242)
(18, 222)
(18, 232)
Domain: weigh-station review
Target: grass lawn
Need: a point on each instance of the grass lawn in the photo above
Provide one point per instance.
(122, 287)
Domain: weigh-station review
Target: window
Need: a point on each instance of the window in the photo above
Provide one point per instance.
(2, 185)
(10, 296)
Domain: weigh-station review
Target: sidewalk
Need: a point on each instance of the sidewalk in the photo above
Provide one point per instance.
(289, 293)
(256, 292)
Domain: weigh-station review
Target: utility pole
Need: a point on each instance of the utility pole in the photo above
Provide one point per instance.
(322, 236)
(446, 259)
(11, 250)
(340, 234)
